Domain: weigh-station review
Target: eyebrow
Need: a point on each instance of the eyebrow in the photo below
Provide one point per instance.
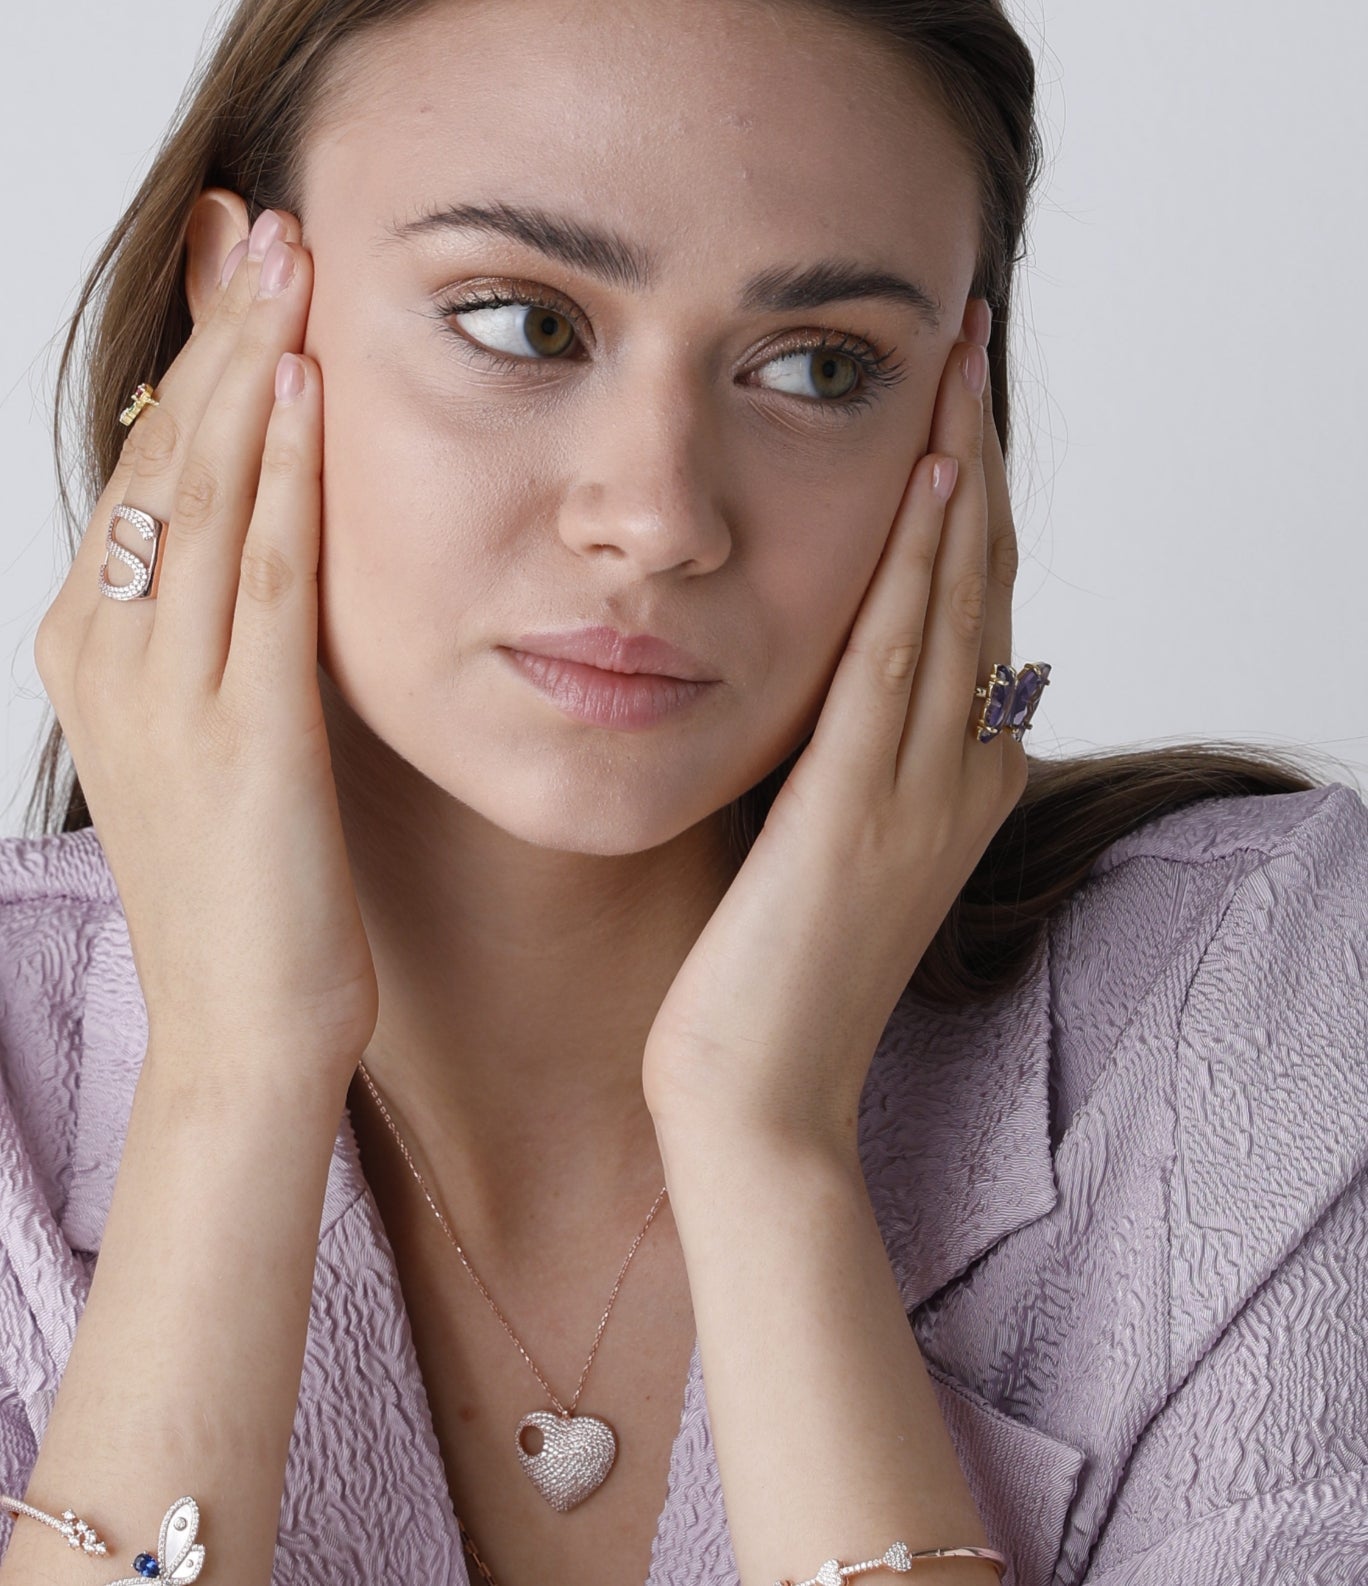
(612, 258)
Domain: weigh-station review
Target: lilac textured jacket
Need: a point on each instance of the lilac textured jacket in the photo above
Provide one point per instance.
(1126, 1205)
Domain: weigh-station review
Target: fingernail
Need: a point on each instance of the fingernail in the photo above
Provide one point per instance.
(974, 366)
(268, 227)
(277, 269)
(943, 477)
(289, 378)
(231, 263)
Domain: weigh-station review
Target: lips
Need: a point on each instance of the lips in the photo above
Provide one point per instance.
(619, 700)
(612, 651)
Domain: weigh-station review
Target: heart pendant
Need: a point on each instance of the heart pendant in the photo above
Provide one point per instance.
(577, 1452)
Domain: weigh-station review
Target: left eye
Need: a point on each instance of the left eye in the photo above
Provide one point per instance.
(814, 365)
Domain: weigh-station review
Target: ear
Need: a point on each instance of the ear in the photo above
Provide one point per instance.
(218, 222)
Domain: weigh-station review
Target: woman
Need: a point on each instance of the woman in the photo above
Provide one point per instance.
(429, 1011)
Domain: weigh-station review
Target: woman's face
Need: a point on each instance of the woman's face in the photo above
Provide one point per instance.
(661, 443)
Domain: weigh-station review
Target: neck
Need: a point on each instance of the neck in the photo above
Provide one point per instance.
(518, 985)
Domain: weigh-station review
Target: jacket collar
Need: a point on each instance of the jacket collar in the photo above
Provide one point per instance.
(955, 1130)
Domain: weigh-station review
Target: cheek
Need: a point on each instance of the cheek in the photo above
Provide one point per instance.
(814, 567)
(413, 534)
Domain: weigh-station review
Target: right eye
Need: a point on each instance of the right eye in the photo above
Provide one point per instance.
(519, 327)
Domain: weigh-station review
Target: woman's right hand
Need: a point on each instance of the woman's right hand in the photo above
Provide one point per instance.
(194, 717)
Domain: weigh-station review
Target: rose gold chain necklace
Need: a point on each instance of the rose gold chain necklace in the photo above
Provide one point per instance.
(577, 1452)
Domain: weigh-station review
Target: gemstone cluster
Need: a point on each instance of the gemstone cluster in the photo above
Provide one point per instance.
(1010, 699)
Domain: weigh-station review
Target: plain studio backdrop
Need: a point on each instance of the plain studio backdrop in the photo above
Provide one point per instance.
(1188, 444)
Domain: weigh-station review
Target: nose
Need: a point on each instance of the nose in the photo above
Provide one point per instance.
(643, 479)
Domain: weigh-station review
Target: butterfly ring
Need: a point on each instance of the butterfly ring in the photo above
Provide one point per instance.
(1010, 699)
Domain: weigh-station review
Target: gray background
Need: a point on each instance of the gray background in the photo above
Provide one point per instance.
(1188, 339)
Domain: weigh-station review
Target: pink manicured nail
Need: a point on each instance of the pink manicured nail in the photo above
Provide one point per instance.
(277, 269)
(268, 227)
(231, 263)
(978, 322)
(943, 477)
(289, 378)
(974, 366)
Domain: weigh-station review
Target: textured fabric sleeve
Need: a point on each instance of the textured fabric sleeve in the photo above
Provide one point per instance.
(46, 926)
(1255, 1473)
(25, 1365)
(1255, 1470)
(18, 1456)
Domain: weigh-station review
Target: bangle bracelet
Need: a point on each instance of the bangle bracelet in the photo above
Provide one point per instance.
(178, 1559)
(899, 1558)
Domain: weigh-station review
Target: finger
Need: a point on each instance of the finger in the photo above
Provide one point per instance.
(997, 627)
(139, 436)
(1002, 548)
(1003, 558)
(220, 473)
(1002, 539)
(943, 692)
(153, 455)
(273, 657)
(142, 436)
(80, 612)
(865, 710)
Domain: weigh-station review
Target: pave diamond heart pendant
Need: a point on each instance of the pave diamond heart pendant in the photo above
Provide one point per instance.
(577, 1452)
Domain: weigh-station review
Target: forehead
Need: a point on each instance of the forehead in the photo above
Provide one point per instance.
(712, 131)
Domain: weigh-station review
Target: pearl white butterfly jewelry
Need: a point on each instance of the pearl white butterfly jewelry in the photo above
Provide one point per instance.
(179, 1558)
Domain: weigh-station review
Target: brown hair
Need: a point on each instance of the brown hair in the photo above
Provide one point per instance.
(242, 126)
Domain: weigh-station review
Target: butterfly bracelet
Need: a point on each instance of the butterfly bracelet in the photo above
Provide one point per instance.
(178, 1559)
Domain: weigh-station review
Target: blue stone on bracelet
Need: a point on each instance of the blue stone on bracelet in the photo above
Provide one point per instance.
(145, 1564)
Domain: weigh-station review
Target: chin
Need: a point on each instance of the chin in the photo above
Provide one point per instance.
(550, 784)
(574, 808)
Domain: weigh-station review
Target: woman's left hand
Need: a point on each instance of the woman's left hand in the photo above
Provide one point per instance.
(772, 1022)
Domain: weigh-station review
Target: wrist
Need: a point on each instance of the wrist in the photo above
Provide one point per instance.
(698, 1142)
(216, 1072)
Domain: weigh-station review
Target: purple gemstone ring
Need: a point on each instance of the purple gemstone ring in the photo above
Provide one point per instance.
(1010, 699)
